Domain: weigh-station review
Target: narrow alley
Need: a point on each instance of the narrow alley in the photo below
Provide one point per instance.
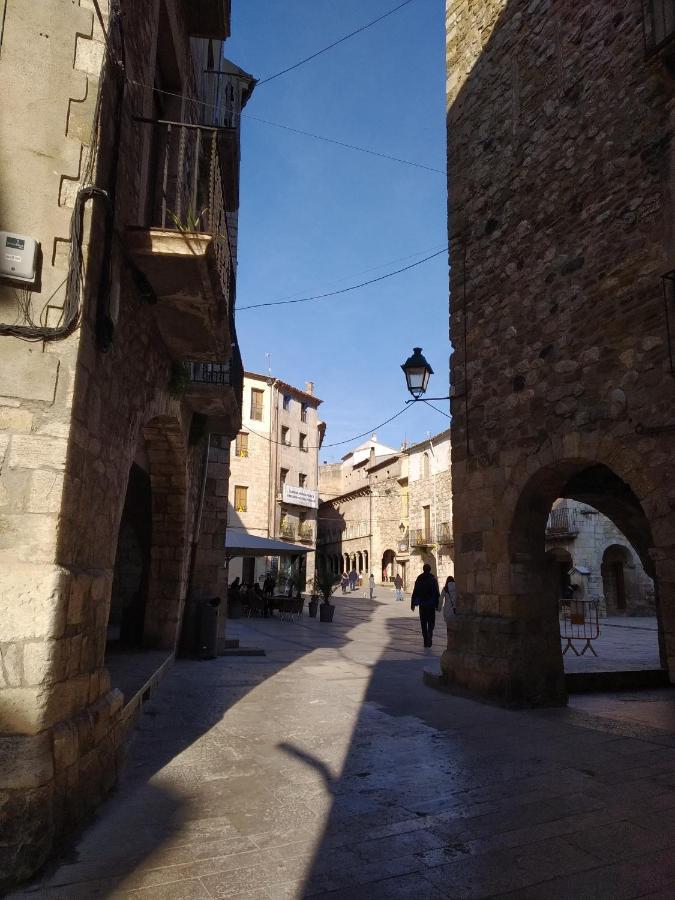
(327, 768)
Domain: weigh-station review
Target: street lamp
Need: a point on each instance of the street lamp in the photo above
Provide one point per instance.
(417, 372)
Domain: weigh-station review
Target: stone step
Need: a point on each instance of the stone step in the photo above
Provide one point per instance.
(243, 651)
(230, 643)
(585, 682)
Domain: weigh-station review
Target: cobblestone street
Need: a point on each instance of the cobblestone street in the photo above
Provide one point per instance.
(326, 767)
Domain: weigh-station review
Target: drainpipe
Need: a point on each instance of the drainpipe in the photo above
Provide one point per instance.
(433, 481)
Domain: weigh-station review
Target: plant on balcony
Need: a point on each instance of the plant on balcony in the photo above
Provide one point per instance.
(191, 222)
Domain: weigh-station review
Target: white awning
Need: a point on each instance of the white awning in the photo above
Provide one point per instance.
(241, 543)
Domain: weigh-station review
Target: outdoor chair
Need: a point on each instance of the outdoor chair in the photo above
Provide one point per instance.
(256, 606)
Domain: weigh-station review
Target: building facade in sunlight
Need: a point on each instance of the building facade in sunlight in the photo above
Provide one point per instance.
(120, 378)
(388, 511)
(562, 215)
(274, 468)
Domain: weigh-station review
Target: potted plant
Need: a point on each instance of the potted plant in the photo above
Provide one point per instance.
(325, 584)
(313, 604)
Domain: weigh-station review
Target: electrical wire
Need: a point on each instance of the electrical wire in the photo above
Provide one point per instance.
(334, 44)
(335, 443)
(389, 262)
(437, 409)
(346, 290)
(327, 140)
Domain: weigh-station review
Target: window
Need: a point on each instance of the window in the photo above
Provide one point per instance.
(303, 412)
(303, 442)
(426, 511)
(286, 402)
(405, 505)
(240, 498)
(257, 404)
(241, 444)
(285, 436)
(302, 480)
(425, 466)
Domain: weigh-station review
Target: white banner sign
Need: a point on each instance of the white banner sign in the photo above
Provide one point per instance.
(300, 496)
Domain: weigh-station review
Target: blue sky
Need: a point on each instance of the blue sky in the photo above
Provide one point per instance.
(315, 217)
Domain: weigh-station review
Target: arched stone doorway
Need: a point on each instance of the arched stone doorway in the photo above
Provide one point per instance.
(511, 607)
(615, 560)
(558, 564)
(388, 566)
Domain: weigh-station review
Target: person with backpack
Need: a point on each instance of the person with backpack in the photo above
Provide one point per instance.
(426, 596)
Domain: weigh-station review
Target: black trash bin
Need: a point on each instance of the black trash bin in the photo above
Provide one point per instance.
(207, 628)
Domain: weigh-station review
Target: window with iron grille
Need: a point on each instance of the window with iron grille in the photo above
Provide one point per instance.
(257, 404)
(302, 480)
(287, 402)
(283, 475)
(303, 442)
(659, 23)
(285, 436)
(240, 498)
(241, 445)
(303, 412)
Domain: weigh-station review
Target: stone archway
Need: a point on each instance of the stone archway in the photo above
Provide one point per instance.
(388, 566)
(505, 638)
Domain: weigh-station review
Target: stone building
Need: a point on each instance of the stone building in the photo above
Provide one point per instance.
(274, 472)
(430, 505)
(577, 535)
(562, 208)
(388, 511)
(120, 378)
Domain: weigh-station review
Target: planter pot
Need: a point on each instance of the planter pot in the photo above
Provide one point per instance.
(326, 611)
(313, 606)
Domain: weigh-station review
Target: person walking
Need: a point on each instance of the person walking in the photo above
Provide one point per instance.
(426, 595)
(448, 598)
(398, 585)
(353, 578)
(371, 585)
(344, 581)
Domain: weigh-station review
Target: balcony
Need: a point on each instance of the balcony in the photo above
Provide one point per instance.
(184, 250)
(421, 537)
(207, 18)
(306, 534)
(214, 390)
(561, 524)
(444, 533)
(287, 532)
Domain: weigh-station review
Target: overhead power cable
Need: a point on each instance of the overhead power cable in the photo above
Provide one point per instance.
(346, 290)
(341, 40)
(356, 437)
(327, 140)
(389, 262)
(437, 409)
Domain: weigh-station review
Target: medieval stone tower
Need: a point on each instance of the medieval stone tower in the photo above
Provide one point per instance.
(561, 164)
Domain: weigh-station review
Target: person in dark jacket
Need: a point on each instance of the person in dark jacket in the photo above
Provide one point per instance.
(426, 595)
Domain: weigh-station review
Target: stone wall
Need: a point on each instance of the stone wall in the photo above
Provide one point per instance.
(72, 421)
(561, 228)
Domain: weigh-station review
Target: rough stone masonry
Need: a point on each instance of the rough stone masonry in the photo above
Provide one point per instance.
(561, 204)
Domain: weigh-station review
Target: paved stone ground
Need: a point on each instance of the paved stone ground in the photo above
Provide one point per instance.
(624, 644)
(327, 769)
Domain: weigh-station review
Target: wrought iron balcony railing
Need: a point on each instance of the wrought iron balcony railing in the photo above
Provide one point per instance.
(287, 532)
(306, 533)
(444, 533)
(421, 537)
(561, 523)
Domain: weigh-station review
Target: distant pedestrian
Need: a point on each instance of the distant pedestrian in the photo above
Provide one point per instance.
(371, 585)
(426, 595)
(448, 598)
(398, 586)
(353, 578)
(344, 581)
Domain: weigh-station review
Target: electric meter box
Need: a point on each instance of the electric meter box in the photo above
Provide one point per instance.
(18, 257)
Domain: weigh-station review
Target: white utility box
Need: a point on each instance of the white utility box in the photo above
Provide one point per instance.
(18, 257)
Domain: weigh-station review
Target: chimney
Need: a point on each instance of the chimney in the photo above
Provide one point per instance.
(309, 387)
